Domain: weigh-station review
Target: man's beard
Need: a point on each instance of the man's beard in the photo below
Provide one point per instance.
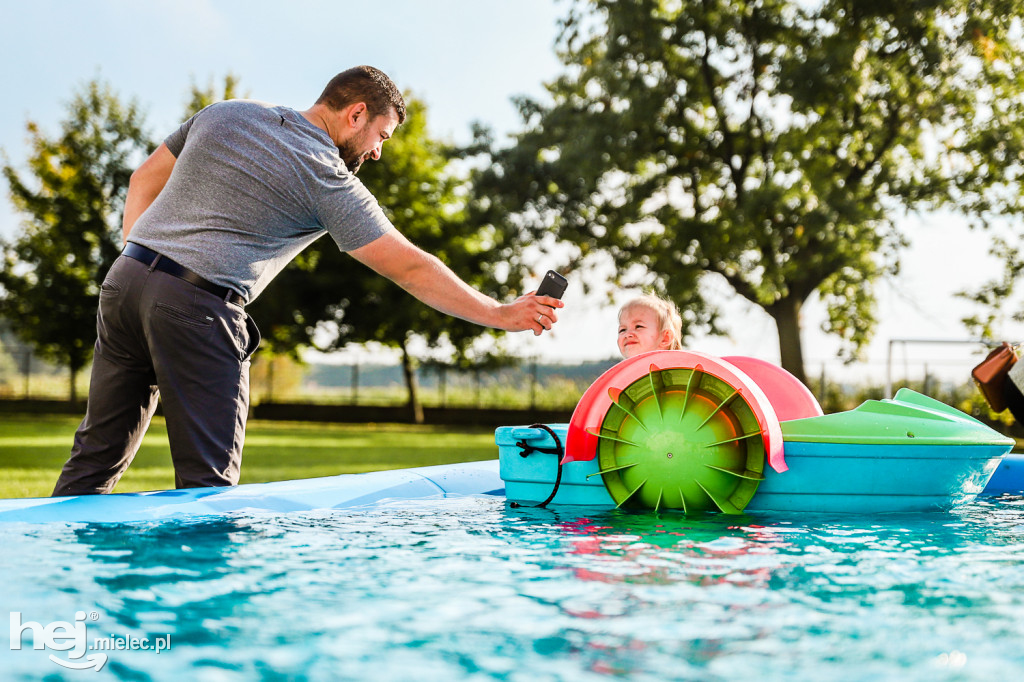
(353, 160)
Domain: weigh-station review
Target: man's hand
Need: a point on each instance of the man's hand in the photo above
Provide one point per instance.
(531, 312)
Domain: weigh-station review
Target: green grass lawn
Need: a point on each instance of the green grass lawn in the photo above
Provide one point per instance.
(33, 448)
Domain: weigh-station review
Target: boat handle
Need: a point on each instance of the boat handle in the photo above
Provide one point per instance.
(529, 433)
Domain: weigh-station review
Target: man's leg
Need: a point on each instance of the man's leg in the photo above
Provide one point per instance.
(121, 405)
(201, 348)
(122, 390)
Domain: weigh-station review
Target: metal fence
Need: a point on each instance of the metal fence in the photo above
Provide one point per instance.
(24, 376)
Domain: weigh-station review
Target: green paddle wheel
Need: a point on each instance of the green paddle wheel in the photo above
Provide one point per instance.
(680, 438)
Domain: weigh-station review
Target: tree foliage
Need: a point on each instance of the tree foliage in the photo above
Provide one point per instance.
(325, 300)
(996, 300)
(73, 197)
(200, 98)
(771, 144)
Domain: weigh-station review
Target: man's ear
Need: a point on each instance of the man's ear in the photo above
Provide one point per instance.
(357, 114)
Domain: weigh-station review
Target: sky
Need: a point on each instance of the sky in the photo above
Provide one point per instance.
(466, 59)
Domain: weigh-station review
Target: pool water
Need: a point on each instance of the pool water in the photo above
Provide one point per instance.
(470, 589)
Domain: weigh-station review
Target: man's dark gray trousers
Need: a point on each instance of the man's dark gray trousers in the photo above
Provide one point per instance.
(160, 337)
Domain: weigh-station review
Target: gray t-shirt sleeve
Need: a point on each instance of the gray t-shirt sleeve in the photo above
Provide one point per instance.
(176, 141)
(350, 213)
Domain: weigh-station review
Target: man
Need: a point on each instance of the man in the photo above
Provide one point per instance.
(210, 218)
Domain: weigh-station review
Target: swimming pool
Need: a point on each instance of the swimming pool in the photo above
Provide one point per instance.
(467, 588)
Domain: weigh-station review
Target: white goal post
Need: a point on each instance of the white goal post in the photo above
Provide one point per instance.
(905, 342)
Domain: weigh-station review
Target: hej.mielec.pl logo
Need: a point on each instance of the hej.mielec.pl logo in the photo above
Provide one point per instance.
(73, 638)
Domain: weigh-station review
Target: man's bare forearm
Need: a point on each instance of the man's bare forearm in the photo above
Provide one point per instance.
(424, 276)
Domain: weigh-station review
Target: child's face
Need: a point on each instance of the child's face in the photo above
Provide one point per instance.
(639, 332)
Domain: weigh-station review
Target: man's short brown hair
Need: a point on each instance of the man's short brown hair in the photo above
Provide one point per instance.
(364, 84)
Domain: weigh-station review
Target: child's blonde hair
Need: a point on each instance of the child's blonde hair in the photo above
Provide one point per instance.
(668, 316)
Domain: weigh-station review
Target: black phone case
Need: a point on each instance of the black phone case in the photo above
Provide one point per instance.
(552, 285)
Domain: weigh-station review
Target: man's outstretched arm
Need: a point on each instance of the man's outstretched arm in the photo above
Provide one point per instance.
(431, 281)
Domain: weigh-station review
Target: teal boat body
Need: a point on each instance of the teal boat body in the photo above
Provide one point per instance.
(911, 453)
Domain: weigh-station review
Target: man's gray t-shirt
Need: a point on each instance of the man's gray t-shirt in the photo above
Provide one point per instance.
(253, 185)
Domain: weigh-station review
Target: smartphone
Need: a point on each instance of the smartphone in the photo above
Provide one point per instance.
(552, 285)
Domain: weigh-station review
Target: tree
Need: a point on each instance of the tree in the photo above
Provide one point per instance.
(200, 98)
(326, 301)
(51, 273)
(996, 298)
(770, 144)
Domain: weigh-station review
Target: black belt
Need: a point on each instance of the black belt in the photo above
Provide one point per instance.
(165, 264)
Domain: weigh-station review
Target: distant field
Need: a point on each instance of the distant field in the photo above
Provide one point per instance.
(33, 448)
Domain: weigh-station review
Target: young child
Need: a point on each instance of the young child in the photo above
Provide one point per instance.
(649, 323)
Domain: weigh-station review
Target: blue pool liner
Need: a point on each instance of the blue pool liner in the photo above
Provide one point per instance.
(331, 492)
(1008, 476)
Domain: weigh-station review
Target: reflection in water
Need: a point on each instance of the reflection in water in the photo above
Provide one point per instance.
(191, 569)
(704, 550)
(470, 589)
(645, 550)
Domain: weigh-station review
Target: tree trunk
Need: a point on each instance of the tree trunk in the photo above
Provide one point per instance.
(73, 374)
(786, 314)
(415, 408)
